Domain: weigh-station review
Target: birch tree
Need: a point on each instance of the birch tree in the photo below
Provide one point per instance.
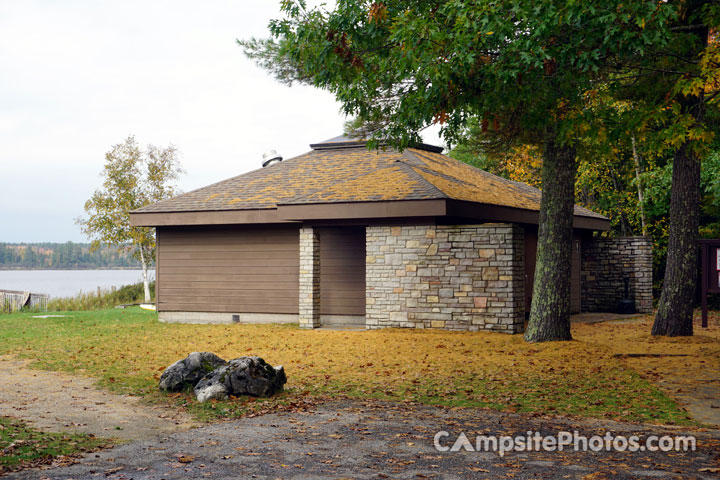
(132, 178)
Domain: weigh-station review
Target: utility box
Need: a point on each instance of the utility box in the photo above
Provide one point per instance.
(710, 273)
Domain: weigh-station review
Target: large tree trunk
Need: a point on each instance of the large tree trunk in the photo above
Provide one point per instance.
(677, 301)
(550, 309)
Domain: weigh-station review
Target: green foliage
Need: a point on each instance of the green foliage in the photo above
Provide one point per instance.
(523, 68)
(101, 299)
(67, 255)
(406, 65)
(710, 200)
(666, 95)
(471, 149)
(607, 183)
(520, 163)
(657, 184)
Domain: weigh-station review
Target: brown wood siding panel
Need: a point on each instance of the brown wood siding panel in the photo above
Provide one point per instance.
(342, 270)
(219, 307)
(530, 259)
(236, 302)
(229, 269)
(157, 268)
(221, 294)
(247, 270)
(230, 251)
(575, 265)
(237, 285)
(245, 262)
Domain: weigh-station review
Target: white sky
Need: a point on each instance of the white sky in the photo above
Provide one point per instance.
(78, 76)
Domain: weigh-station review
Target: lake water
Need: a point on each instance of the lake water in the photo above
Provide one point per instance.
(68, 283)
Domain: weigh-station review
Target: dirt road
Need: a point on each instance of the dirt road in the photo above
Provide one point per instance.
(59, 402)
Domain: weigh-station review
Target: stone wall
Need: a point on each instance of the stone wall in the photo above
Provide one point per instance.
(467, 277)
(606, 262)
(309, 289)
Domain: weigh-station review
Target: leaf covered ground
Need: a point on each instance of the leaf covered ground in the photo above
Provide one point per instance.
(22, 446)
(592, 376)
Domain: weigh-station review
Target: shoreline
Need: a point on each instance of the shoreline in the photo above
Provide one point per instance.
(11, 269)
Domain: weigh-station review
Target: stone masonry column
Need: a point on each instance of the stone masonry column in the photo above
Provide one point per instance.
(309, 301)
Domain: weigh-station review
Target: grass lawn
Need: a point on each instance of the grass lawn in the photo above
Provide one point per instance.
(126, 350)
(22, 446)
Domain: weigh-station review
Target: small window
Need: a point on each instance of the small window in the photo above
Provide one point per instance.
(577, 246)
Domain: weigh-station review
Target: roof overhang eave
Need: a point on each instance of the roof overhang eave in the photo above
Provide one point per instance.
(206, 217)
(499, 213)
(298, 213)
(370, 210)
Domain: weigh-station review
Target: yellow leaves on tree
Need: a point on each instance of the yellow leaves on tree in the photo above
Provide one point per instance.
(523, 164)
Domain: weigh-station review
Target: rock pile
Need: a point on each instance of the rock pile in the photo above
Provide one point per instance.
(212, 377)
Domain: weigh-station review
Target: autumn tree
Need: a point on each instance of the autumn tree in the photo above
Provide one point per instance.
(687, 74)
(520, 67)
(132, 178)
(672, 92)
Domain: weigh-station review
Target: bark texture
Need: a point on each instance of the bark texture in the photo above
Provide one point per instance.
(677, 301)
(550, 308)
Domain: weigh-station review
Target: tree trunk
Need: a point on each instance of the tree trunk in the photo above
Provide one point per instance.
(677, 301)
(146, 283)
(550, 309)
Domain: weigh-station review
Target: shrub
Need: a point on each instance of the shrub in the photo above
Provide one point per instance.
(101, 299)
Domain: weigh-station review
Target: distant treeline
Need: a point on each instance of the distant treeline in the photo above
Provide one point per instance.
(63, 256)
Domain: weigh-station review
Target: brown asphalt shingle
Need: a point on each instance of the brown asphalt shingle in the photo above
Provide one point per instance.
(341, 175)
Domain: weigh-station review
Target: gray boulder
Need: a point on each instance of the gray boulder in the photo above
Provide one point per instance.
(186, 373)
(241, 376)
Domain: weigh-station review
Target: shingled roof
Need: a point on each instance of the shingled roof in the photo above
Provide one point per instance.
(343, 170)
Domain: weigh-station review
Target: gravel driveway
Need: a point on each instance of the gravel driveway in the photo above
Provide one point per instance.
(355, 440)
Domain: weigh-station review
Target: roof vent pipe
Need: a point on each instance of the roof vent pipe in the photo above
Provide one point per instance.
(271, 157)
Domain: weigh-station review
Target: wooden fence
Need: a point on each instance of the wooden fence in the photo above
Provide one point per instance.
(12, 301)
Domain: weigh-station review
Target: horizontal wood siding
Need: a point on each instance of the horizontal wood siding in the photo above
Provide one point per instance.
(575, 265)
(531, 238)
(231, 269)
(342, 270)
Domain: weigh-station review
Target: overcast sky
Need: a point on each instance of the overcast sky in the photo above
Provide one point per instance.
(77, 77)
